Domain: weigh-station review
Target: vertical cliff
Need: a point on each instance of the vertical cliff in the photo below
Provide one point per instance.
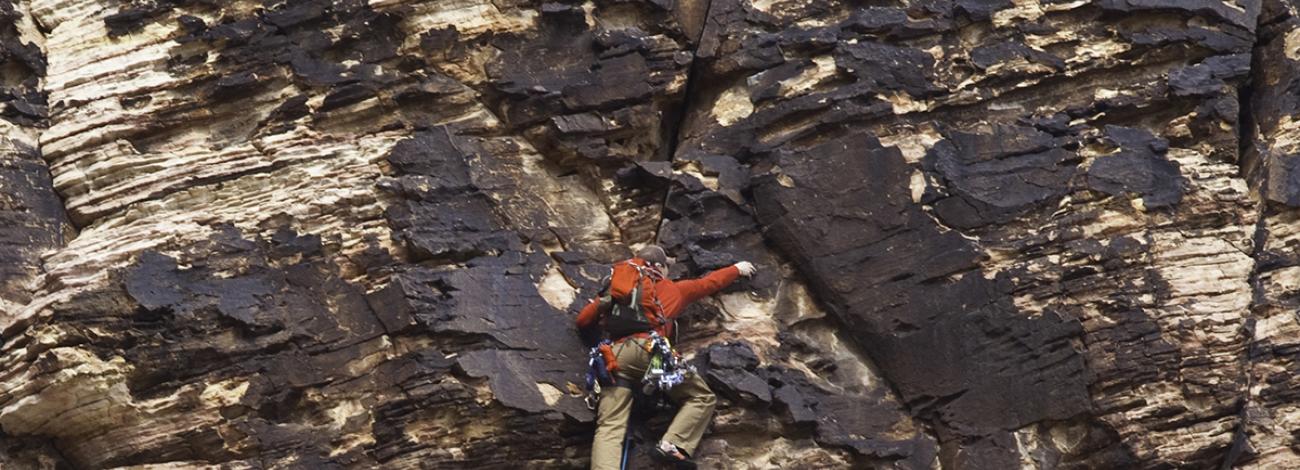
(352, 234)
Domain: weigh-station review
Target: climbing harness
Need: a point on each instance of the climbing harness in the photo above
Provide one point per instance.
(665, 370)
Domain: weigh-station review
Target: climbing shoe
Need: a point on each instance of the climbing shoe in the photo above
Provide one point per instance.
(666, 452)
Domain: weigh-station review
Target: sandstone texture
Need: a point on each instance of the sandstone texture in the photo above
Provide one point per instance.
(992, 234)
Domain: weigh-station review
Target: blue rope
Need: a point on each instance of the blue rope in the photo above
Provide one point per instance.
(623, 465)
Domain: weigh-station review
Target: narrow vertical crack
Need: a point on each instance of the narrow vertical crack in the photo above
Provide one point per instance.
(1240, 436)
(1253, 169)
(48, 227)
(1248, 158)
(673, 132)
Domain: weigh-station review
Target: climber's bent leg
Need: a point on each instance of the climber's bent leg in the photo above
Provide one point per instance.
(616, 406)
(611, 428)
(697, 402)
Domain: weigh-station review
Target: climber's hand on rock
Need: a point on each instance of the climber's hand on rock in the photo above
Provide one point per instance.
(746, 268)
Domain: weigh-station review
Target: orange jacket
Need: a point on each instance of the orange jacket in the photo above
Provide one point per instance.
(674, 296)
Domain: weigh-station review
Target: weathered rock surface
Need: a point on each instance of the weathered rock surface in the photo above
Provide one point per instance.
(352, 234)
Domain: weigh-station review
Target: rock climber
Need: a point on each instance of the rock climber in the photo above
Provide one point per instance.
(662, 300)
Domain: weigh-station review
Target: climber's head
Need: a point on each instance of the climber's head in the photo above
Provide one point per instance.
(655, 256)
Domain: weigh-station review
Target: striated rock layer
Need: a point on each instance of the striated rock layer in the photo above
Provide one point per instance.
(352, 234)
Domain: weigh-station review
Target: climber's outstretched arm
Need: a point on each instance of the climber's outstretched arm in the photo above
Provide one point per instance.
(696, 289)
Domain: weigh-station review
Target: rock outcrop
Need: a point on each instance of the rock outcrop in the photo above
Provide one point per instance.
(353, 234)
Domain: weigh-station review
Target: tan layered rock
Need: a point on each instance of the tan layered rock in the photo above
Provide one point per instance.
(344, 234)
(319, 234)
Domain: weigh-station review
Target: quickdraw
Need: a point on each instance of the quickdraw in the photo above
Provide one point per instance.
(666, 369)
(601, 365)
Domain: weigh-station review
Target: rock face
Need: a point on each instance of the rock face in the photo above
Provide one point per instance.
(353, 234)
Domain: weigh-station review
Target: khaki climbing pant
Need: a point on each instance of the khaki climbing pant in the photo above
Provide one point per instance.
(693, 397)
